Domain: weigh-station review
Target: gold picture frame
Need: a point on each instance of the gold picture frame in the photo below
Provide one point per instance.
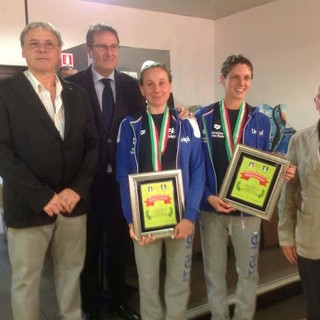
(157, 202)
(253, 181)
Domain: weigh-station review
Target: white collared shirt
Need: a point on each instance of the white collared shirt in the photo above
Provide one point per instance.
(56, 109)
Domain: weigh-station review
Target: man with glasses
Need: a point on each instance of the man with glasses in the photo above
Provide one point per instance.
(48, 156)
(107, 231)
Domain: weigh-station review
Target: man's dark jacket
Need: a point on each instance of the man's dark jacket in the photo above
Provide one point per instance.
(128, 101)
(35, 162)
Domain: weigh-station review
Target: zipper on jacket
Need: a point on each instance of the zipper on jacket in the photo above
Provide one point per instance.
(135, 146)
(209, 147)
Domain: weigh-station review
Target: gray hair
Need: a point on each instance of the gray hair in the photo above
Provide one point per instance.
(40, 24)
(99, 27)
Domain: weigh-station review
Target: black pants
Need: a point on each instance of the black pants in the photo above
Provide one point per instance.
(107, 249)
(309, 271)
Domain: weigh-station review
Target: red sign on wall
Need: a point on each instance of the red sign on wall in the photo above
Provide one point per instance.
(66, 59)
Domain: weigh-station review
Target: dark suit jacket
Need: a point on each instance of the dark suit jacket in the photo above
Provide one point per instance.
(128, 101)
(35, 162)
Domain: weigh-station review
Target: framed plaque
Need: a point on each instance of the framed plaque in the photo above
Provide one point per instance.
(253, 181)
(157, 202)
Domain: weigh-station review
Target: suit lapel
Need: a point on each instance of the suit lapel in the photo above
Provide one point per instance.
(120, 90)
(24, 89)
(68, 100)
(120, 109)
(314, 143)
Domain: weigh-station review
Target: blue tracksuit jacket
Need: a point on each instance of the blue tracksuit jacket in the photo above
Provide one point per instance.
(189, 158)
(256, 134)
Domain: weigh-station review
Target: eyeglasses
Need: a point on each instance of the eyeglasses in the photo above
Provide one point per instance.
(35, 45)
(105, 47)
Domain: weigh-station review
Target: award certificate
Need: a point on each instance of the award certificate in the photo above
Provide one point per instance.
(253, 181)
(157, 202)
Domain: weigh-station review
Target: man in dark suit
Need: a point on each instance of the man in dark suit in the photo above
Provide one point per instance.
(48, 157)
(106, 225)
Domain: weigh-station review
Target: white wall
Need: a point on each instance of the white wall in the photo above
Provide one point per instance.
(190, 40)
(12, 21)
(282, 40)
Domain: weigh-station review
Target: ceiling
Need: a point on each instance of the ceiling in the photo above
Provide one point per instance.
(206, 9)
